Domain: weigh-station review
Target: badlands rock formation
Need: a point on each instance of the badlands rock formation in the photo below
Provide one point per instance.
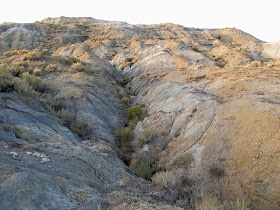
(210, 93)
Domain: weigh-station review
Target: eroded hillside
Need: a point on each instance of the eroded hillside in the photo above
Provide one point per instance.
(209, 121)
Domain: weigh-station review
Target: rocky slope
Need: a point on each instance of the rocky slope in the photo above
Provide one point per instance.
(209, 94)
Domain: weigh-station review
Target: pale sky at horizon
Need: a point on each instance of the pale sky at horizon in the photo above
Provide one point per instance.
(252, 16)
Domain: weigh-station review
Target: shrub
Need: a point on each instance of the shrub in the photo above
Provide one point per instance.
(6, 81)
(144, 137)
(124, 136)
(34, 81)
(23, 87)
(122, 92)
(83, 130)
(195, 49)
(51, 67)
(110, 55)
(134, 112)
(256, 64)
(125, 100)
(146, 91)
(210, 55)
(34, 55)
(125, 149)
(142, 168)
(183, 160)
(238, 205)
(37, 72)
(216, 170)
(46, 45)
(208, 202)
(211, 202)
(69, 60)
(18, 68)
(66, 117)
(165, 178)
(132, 123)
(220, 62)
(10, 53)
(79, 66)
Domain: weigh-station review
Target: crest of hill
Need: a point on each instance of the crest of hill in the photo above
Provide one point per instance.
(67, 20)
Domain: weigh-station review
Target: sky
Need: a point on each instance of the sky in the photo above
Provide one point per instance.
(257, 17)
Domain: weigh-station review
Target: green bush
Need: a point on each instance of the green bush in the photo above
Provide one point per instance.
(34, 81)
(6, 81)
(142, 168)
(23, 87)
(220, 62)
(18, 68)
(195, 49)
(83, 130)
(124, 135)
(183, 160)
(216, 170)
(125, 100)
(134, 112)
(66, 117)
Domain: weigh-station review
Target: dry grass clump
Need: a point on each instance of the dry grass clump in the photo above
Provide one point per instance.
(183, 160)
(209, 202)
(34, 55)
(79, 66)
(11, 53)
(144, 137)
(165, 178)
(255, 64)
(69, 60)
(51, 67)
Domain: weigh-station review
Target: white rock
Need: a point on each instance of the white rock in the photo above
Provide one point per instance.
(45, 160)
(13, 154)
(36, 154)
